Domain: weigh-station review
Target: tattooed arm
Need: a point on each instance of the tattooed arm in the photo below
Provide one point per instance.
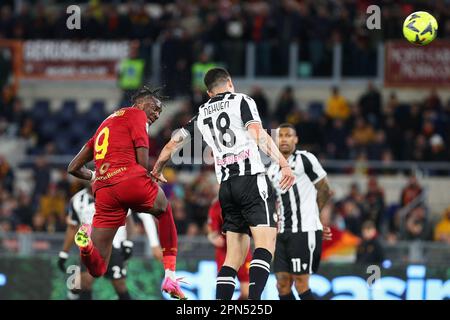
(324, 193)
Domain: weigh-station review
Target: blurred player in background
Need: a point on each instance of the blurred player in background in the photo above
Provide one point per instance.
(300, 231)
(215, 236)
(121, 182)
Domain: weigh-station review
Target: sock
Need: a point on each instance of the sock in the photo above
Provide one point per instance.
(170, 274)
(225, 283)
(289, 296)
(307, 295)
(259, 272)
(168, 235)
(93, 262)
(124, 296)
(85, 295)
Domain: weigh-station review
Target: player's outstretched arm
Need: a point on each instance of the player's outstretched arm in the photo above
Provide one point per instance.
(77, 165)
(169, 149)
(268, 146)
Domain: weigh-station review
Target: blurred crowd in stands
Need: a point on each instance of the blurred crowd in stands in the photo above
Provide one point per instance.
(185, 28)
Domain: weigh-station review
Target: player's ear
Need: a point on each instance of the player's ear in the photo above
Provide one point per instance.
(210, 94)
(296, 140)
(230, 85)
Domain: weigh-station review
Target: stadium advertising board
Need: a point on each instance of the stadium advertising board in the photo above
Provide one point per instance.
(415, 66)
(39, 278)
(74, 60)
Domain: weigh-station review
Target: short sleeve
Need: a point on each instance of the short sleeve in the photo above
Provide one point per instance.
(137, 122)
(249, 111)
(214, 214)
(188, 129)
(312, 167)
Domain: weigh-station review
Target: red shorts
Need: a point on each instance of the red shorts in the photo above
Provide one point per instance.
(243, 272)
(112, 202)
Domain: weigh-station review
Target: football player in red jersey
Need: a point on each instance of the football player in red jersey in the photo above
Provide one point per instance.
(120, 182)
(215, 236)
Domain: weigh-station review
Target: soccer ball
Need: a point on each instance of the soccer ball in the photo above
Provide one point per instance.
(420, 28)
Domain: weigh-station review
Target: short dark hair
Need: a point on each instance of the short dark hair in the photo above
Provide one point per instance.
(287, 125)
(214, 76)
(147, 91)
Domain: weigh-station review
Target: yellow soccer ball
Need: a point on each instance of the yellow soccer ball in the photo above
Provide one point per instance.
(420, 28)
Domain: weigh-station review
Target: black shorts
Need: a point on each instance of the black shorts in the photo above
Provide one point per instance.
(247, 201)
(117, 267)
(298, 253)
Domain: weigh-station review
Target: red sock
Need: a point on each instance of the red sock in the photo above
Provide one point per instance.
(93, 262)
(168, 238)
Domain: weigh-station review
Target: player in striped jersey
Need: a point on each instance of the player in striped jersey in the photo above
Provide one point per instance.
(300, 231)
(230, 124)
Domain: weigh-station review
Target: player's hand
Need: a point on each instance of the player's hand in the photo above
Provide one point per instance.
(157, 253)
(62, 258)
(127, 249)
(158, 176)
(287, 178)
(327, 234)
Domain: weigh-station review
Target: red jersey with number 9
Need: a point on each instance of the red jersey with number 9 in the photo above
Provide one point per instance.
(114, 145)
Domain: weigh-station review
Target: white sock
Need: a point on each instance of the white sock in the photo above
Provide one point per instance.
(170, 274)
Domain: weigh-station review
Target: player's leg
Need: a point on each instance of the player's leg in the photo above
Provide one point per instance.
(117, 273)
(96, 255)
(95, 246)
(237, 243)
(306, 247)
(121, 289)
(244, 277)
(283, 268)
(237, 248)
(86, 286)
(150, 198)
(284, 285)
(259, 210)
(264, 239)
(302, 287)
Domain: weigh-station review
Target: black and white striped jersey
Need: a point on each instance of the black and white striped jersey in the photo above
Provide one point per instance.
(223, 122)
(82, 210)
(298, 209)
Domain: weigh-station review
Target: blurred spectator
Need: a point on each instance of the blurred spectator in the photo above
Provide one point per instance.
(286, 104)
(262, 104)
(41, 177)
(199, 69)
(370, 250)
(52, 207)
(362, 134)
(416, 226)
(130, 77)
(24, 211)
(337, 107)
(6, 175)
(437, 152)
(199, 195)
(442, 228)
(370, 105)
(411, 191)
(353, 216)
(374, 202)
